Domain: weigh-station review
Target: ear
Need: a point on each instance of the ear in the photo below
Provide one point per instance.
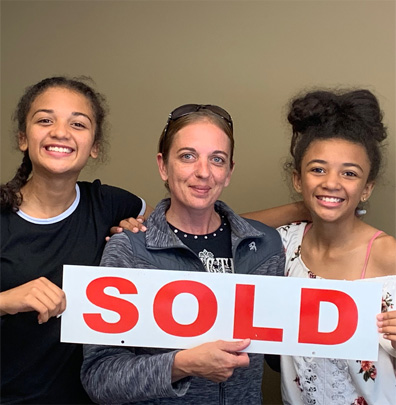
(228, 179)
(162, 167)
(94, 151)
(296, 178)
(368, 189)
(22, 141)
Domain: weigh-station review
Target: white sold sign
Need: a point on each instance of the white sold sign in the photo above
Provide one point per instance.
(178, 309)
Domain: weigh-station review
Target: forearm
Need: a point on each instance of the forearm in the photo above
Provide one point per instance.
(119, 375)
(281, 215)
(40, 295)
(179, 366)
(112, 374)
(3, 304)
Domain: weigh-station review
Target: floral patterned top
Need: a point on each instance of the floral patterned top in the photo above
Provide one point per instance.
(323, 381)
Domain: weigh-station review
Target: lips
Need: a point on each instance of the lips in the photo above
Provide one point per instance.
(201, 189)
(59, 149)
(330, 199)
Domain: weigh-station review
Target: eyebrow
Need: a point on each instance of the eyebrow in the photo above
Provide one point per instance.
(185, 148)
(323, 162)
(74, 114)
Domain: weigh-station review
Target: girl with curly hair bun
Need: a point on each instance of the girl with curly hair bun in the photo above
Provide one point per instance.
(336, 157)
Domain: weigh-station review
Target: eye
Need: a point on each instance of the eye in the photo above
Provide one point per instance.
(218, 160)
(187, 156)
(79, 125)
(44, 121)
(317, 170)
(350, 174)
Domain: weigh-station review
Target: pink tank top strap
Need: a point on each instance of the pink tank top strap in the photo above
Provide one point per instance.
(370, 244)
(307, 228)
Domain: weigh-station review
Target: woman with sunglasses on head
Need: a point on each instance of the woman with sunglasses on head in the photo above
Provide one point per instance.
(336, 158)
(191, 231)
(49, 219)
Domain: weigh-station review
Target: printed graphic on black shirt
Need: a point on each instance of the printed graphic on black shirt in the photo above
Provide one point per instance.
(216, 264)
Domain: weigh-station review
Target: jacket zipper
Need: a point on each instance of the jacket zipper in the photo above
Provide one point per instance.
(221, 394)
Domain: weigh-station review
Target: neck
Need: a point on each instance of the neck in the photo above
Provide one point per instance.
(47, 197)
(194, 222)
(334, 234)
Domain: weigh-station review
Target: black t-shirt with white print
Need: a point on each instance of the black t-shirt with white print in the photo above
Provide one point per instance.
(214, 249)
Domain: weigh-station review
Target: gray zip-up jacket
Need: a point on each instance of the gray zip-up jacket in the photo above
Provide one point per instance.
(120, 375)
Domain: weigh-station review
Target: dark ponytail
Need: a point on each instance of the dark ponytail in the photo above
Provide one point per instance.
(11, 198)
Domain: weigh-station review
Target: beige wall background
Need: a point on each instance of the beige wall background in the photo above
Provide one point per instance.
(250, 57)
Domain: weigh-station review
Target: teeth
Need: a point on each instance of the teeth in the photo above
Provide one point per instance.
(59, 149)
(331, 199)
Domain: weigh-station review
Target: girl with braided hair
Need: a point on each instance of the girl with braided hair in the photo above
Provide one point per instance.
(49, 219)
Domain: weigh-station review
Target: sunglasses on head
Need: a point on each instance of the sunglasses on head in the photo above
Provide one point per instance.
(188, 109)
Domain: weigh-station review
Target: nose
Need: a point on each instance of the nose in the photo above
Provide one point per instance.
(202, 168)
(331, 181)
(60, 130)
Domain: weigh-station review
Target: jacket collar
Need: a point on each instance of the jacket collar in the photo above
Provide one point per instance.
(160, 236)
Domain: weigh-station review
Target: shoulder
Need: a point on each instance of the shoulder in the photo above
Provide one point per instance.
(259, 226)
(10, 219)
(383, 254)
(137, 239)
(244, 226)
(121, 203)
(9, 224)
(6, 215)
(293, 231)
(117, 252)
(97, 188)
(134, 243)
(268, 244)
(292, 228)
(116, 241)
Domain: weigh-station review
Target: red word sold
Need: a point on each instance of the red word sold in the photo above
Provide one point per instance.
(243, 311)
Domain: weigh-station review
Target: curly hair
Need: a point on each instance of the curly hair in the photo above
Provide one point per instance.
(354, 116)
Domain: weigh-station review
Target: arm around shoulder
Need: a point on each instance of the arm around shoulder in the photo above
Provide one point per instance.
(278, 216)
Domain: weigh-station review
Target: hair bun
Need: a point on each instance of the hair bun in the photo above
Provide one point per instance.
(320, 108)
(312, 110)
(363, 106)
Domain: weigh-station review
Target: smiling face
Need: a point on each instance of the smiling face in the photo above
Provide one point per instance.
(60, 132)
(333, 178)
(198, 166)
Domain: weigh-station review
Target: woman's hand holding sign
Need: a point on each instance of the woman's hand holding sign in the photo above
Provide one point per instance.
(215, 361)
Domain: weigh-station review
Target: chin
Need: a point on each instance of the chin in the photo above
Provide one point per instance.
(201, 204)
